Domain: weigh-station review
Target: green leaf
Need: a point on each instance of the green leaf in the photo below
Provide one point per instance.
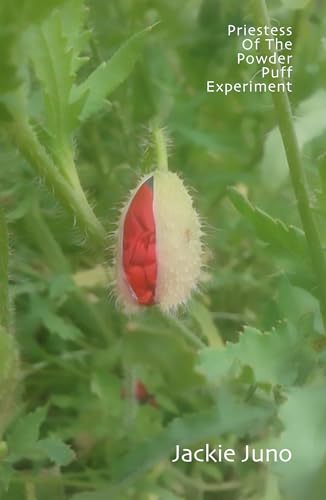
(61, 327)
(109, 75)
(60, 287)
(57, 451)
(303, 416)
(54, 48)
(297, 305)
(53, 322)
(205, 320)
(272, 231)
(24, 434)
(15, 18)
(275, 358)
(229, 416)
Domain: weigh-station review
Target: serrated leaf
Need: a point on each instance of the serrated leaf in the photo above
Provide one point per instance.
(57, 451)
(24, 434)
(14, 20)
(275, 358)
(59, 326)
(53, 322)
(109, 75)
(298, 306)
(60, 287)
(54, 47)
(229, 416)
(272, 231)
(309, 123)
(303, 416)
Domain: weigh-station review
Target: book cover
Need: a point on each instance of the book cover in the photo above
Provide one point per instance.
(162, 250)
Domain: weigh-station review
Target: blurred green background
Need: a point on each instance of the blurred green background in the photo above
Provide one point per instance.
(103, 399)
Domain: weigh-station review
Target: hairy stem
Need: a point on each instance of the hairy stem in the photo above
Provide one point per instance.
(161, 149)
(297, 174)
(69, 194)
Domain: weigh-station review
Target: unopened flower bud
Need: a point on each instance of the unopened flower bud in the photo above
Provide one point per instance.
(159, 249)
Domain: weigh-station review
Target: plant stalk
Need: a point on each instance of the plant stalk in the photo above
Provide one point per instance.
(296, 168)
(70, 194)
(161, 150)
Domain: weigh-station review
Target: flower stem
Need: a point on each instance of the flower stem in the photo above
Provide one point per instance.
(161, 149)
(296, 168)
(68, 192)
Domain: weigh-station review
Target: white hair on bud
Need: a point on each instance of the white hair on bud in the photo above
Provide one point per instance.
(178, 241)
(179, 249)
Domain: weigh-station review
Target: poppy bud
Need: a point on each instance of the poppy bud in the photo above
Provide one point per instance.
(141, 394)
(159, 250)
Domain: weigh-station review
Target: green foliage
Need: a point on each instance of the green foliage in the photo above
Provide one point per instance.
(54, 47)
(271, 230)
(56, 450)
(103, 399)
(275, 358)
(24, 434)
(109, 75)
(305, 474)
(228, 416)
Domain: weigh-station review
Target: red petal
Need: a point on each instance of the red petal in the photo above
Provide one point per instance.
(140, 391)
(139, 245)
